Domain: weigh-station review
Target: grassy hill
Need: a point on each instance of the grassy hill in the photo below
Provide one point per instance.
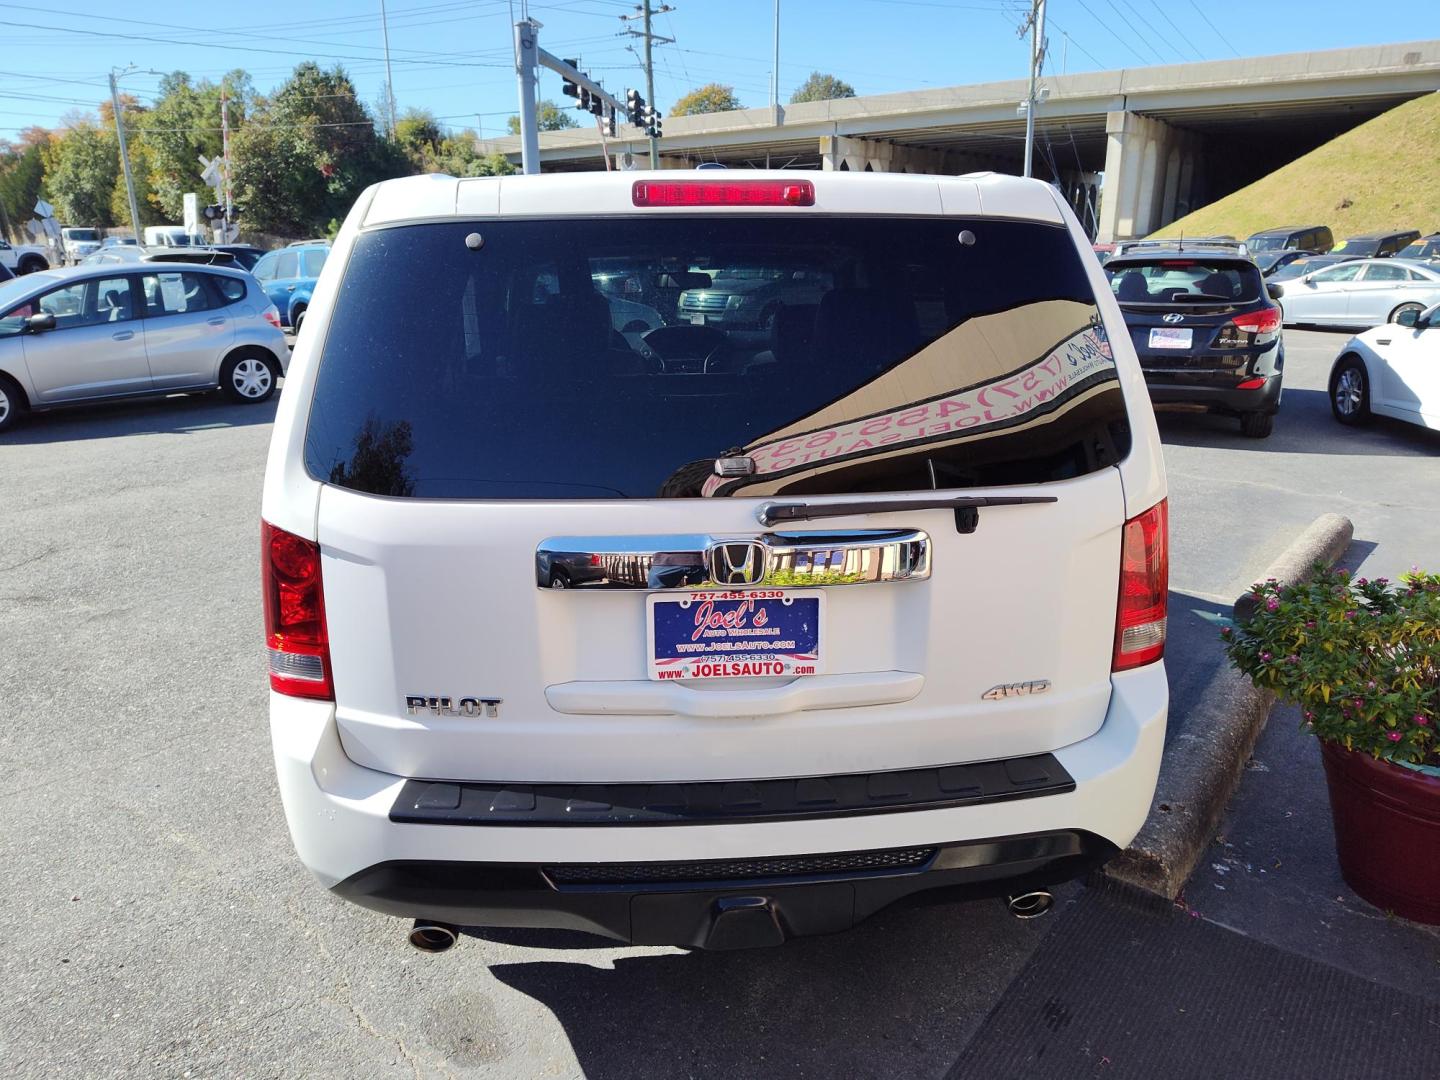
(1380, 175)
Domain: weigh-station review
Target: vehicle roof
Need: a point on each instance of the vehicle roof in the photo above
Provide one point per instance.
(1280, 229)
(60, 275)
(441, 197)
(1385, 235)
(1152, 254)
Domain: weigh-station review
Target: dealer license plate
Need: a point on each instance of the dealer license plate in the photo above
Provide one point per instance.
(739, 634)
(1165, 337)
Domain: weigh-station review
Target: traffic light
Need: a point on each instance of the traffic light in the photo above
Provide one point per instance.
(568, 88)
(635, 108)
(652, 122)
(584, 95)
(610, 125)
(597, 106)
(213, 212)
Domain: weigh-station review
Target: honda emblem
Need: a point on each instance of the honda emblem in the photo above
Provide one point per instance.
(738, 562)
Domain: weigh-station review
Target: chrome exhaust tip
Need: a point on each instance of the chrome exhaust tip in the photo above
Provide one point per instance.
(433, 937)
(1030, 905)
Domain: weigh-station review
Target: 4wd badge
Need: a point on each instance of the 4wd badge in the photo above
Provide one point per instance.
(1016, 689)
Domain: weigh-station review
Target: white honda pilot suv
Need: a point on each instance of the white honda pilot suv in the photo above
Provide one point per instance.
(584, 611)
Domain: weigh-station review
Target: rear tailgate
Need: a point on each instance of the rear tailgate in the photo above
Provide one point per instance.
(440, 599)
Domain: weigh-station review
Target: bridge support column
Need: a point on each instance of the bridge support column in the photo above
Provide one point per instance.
(846, 153)
(1149, 170)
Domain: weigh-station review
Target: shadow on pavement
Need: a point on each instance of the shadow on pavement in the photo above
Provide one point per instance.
(1304, 426)
(175, 415)
(899, 995)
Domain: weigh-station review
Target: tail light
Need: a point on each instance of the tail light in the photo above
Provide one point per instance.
(1264, 324)
(295, 633)
(1144, 583)
(272, 315)
(723, 193)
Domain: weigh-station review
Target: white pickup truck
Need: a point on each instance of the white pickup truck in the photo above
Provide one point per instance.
(23, 259)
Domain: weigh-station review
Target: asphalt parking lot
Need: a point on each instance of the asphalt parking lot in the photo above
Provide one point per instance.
(156, 922)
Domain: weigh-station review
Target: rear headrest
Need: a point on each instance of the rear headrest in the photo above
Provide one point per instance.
(794, 333)
(1133, 286)
(570, 330)
(861, 332)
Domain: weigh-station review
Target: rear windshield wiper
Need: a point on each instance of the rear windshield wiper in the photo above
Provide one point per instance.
(966, 507)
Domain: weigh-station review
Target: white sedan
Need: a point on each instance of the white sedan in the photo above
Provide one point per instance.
(1363, 292)
(1391, 370)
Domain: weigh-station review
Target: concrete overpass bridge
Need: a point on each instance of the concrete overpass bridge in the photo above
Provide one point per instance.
(1134, 149)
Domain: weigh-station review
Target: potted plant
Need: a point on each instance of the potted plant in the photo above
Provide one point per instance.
(1361, 659)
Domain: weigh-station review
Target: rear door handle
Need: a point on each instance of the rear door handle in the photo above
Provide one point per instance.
(219, 320)
(289, 288)
(123, 335)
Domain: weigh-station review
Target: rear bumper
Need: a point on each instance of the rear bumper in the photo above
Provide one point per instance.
(737, 905)
(1220, 399)
(339, 815)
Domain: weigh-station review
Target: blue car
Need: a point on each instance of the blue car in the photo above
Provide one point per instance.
(288, 278)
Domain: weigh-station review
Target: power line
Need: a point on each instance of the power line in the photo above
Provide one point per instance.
(1180, 33)
(1212, 26)
(1106, 27)
(1141, 37)
(1151, 27)
(247, 48)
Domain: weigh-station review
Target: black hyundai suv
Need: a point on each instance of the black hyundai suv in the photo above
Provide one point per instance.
(1205, 328)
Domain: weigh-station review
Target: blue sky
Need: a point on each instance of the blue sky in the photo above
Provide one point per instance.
(453, 56)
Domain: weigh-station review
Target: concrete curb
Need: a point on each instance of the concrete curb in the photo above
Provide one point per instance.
(1202, 766)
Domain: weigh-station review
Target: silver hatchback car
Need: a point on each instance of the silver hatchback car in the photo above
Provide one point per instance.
(101, 332)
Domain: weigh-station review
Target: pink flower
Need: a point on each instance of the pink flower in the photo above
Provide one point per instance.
(1292, 659)
(1370, 685)
(1421, 720)
(1271, 604)
(1265, 657)
(1310, 625)
(1350, 614)
(1394, 736)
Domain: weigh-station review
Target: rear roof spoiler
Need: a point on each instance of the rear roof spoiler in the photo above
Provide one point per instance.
(1197, 243)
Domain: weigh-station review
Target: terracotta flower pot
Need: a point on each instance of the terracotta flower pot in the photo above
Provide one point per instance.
(1387, 832)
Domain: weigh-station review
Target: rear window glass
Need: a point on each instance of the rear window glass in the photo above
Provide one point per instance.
(1277, 242)
(1182, 281)
(621, 357)
(312, 262)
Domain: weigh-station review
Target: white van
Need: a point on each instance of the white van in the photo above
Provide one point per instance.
(703, 633)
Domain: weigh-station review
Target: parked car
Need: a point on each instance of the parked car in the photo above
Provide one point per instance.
(23, 258)
(98, 332)
(129, 253)
(1291, 238)
(288, 277)
(1426, 249)
(1205, 328)
(77, 242)
(1361, 292)
(246, 255)
(1391, 370)
(119, 240)
(168, 236)
(1376, 245)
(1269, 262)
(1307, 264)
(738, 297)
(770, 719)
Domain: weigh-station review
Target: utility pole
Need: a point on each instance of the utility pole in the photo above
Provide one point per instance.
(225, 154)
(526, 57)
(125, 154)
(646, 12)
(389, 79)
(1035, 24)
(775, 69)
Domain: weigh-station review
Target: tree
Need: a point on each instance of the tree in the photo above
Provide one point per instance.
(418, 134)
(304, 154)
(711, 98)
(80, 172)
(183, 125)
(548, 117)
(821, 87)
(21, 174)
